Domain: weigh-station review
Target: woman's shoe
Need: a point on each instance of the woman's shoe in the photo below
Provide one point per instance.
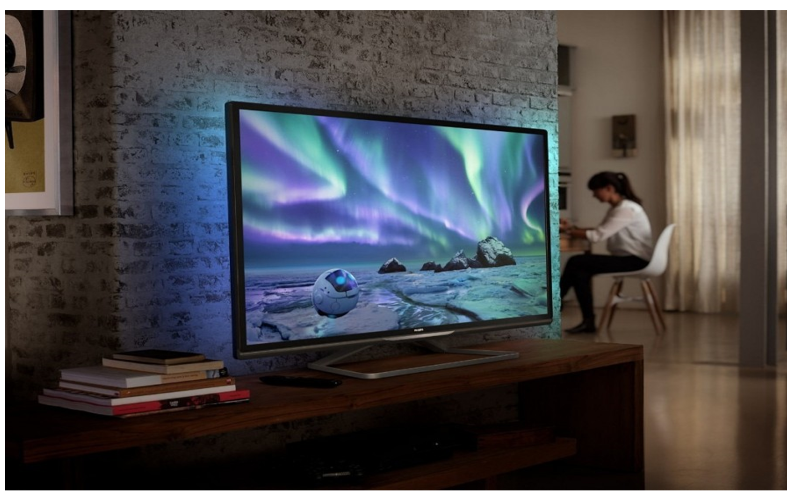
(587, 325)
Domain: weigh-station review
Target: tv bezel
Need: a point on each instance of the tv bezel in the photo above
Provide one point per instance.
(243, 350)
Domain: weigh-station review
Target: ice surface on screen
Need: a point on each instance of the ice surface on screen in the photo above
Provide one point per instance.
(327, 202)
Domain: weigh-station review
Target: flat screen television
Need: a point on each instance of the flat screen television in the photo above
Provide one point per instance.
(350, 229)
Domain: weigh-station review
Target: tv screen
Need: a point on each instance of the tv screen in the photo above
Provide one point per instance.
(350, 228)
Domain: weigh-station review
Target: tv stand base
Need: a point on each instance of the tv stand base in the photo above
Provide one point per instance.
(441, 358)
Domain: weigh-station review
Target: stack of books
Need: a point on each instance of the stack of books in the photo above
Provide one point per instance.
(145, 382)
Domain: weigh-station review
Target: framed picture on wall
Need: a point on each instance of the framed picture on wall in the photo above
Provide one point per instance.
(38, 154)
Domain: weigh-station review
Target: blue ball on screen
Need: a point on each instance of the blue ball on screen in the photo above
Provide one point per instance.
(335, 293)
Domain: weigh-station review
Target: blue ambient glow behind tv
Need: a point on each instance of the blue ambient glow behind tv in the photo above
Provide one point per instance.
(314, 191)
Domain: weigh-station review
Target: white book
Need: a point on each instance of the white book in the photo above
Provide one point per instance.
(118, 392)
(159, 368)
(108, 376)
(104, 400)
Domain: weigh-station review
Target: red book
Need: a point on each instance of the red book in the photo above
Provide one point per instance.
(148, 407)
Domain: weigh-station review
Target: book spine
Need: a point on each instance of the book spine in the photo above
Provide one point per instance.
(183, 408)
(190, 376)
(91, 388)
(204, 399)
(146, 406)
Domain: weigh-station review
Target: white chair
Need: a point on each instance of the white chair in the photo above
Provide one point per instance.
(656, 267)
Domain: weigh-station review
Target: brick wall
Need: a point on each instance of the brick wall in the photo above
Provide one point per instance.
(144, 261)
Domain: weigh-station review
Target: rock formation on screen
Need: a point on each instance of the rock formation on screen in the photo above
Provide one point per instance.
(435, 267)
(392, 265)
(491, 252)
(461, 262)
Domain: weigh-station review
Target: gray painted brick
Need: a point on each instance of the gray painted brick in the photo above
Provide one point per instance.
(144, 261)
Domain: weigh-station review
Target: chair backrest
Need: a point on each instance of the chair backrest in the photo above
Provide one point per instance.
(657, 264)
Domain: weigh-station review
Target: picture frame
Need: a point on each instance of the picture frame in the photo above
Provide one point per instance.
(40, 146)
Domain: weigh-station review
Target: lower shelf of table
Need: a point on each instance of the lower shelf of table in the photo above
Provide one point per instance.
(462, 468)
(465, 467)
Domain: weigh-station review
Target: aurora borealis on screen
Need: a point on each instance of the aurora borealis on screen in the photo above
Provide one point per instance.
(321, 189)
(441, 225)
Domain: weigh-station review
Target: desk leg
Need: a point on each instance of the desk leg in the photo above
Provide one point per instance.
(602, 408)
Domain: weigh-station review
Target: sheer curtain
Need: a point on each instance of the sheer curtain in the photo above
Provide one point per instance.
(781, 84)
(703, 115)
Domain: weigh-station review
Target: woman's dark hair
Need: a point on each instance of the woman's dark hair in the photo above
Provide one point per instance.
(616, 179)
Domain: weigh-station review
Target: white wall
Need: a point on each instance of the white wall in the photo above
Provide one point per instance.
(618, 69)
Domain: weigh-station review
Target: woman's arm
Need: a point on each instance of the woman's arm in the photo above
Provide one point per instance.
(576, 232)
(615, 221)
(573, 231)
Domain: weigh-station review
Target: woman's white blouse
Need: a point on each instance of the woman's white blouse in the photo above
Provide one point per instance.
(626, 229)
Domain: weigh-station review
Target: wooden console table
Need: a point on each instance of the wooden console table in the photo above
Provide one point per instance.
(592, 393)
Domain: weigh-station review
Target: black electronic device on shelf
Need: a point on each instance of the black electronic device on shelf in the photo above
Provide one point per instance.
(349, 457)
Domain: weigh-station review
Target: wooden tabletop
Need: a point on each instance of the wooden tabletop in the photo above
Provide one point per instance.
(37, 433)
(568, 244)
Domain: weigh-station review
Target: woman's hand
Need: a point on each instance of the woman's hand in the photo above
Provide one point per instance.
(565, 227)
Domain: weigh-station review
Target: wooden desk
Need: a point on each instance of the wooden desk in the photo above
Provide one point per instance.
(570, 245)
(592, 393)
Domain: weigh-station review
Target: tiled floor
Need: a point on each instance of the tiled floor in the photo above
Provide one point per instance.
(709, 424)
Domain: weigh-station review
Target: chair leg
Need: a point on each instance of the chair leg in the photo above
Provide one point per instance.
(658, 316)
(657, 302)
(651, 307)
(617, 300)
(608, 308)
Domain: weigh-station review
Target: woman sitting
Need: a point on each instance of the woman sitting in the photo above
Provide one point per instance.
(628, 236)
